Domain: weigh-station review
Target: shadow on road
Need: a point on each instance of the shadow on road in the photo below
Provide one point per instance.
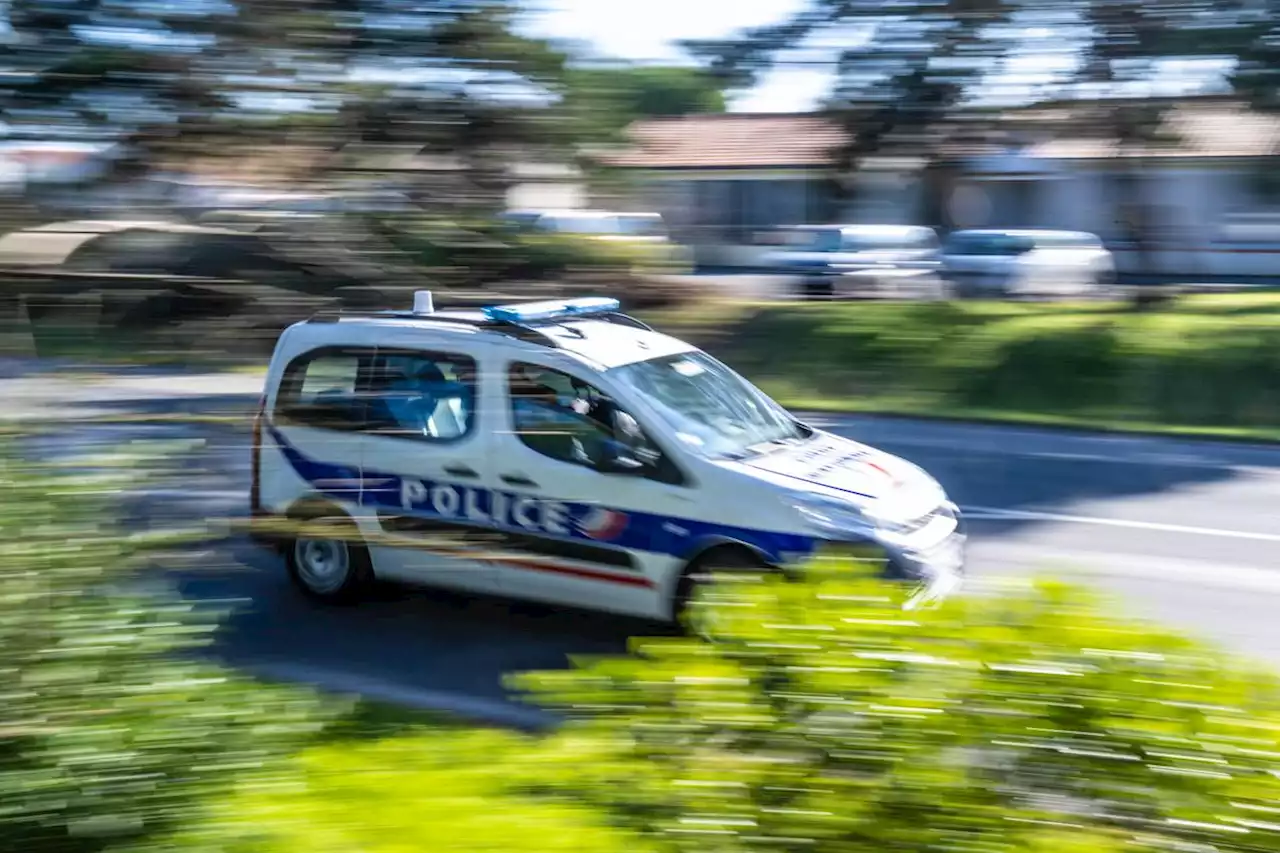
(433, 646)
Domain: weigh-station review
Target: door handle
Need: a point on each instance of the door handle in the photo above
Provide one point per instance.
(518, 480)
(461, 471)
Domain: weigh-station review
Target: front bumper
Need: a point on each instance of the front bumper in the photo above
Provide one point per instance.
(929, 557)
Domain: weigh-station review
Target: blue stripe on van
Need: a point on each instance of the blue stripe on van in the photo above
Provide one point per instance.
(636, 531)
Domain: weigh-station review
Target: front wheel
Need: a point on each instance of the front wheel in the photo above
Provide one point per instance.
(698, 580)
(328, 560)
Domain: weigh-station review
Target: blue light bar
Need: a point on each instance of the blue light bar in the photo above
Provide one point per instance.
(530, 312)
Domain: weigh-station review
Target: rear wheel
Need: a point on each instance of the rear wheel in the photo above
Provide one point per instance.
(818, 287)
(328, 560)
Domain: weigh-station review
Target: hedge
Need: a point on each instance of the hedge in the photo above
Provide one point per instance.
(823, 718)
(1206, 363)
(111, 732)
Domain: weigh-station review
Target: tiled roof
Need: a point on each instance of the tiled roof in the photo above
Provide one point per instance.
(793, 140)
(732, 140)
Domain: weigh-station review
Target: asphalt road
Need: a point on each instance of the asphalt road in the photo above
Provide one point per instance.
(1184, 532)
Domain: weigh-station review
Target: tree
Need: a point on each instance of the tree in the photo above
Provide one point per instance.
(111, 71)
(607, 99)
(901, 71)
(910, 76)
(450, 76)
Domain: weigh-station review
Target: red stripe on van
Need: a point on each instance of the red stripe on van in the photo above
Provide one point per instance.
(575, 571)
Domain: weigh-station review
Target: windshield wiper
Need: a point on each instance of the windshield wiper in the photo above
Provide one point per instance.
(785, 441)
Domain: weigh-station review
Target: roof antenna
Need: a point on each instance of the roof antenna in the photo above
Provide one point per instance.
(422, 302)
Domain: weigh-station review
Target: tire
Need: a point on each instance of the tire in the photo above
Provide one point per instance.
(725, 559)
(818, 287)
(329, 562)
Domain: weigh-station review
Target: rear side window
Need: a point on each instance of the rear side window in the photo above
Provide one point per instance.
(422, 396)
(321, 389)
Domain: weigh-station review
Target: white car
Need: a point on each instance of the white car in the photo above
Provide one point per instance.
(560, 452)
(1029, 262)
(842, 261)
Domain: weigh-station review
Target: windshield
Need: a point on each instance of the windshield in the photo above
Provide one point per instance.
(988, 244)
(586, 224)
(713, 410)
(871, 241)
(639, 225)
(852, 240)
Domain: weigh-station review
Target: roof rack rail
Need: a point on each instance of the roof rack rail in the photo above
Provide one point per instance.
(625, 320)
(520, 331)
(502, 320)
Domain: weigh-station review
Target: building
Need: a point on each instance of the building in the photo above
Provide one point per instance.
(723, 181)
(1193, 204)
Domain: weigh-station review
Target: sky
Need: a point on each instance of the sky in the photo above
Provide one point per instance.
(649, 30)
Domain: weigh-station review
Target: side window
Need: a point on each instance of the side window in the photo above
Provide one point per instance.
(423, 396)
(569, 420)
(320, 389)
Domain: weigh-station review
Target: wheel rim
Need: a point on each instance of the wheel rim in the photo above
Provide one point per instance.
(323, 564)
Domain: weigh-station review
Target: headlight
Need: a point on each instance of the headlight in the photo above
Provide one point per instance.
(833, 517)
(838, 518)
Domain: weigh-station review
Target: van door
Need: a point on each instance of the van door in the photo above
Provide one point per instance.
(426, 464)
(312, 443)
(580, 536)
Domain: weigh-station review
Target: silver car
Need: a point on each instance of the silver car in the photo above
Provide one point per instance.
(841, 261)
(1027, 263)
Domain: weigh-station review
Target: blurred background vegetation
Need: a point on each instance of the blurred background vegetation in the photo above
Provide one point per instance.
(823, 718)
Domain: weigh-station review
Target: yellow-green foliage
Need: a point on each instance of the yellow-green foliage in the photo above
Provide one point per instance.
(442, 790)
(107, 734)
(827, 718)
(824, 718)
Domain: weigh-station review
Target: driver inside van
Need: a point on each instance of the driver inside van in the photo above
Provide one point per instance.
(553, 424)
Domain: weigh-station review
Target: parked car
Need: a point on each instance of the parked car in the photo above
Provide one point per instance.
(1026, 262)
(841, 261)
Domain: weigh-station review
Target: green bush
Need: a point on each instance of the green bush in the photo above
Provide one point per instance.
(484, 253)
(823, 718)
(827, 718)
(437, 790)
(1200, 363)
(110, 731)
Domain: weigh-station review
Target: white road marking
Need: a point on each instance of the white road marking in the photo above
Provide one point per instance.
(1028, 559)
(999, 514)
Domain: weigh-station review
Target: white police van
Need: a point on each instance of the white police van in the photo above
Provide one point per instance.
(562, 452)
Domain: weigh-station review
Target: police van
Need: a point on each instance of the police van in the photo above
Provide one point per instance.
(562, 452)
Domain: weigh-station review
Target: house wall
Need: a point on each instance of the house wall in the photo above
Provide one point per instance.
(1187, 204)
(885, 197)
(724, 213)
(547, 194)
(721, 213)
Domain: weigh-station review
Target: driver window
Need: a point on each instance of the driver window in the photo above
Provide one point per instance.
(568, 420)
